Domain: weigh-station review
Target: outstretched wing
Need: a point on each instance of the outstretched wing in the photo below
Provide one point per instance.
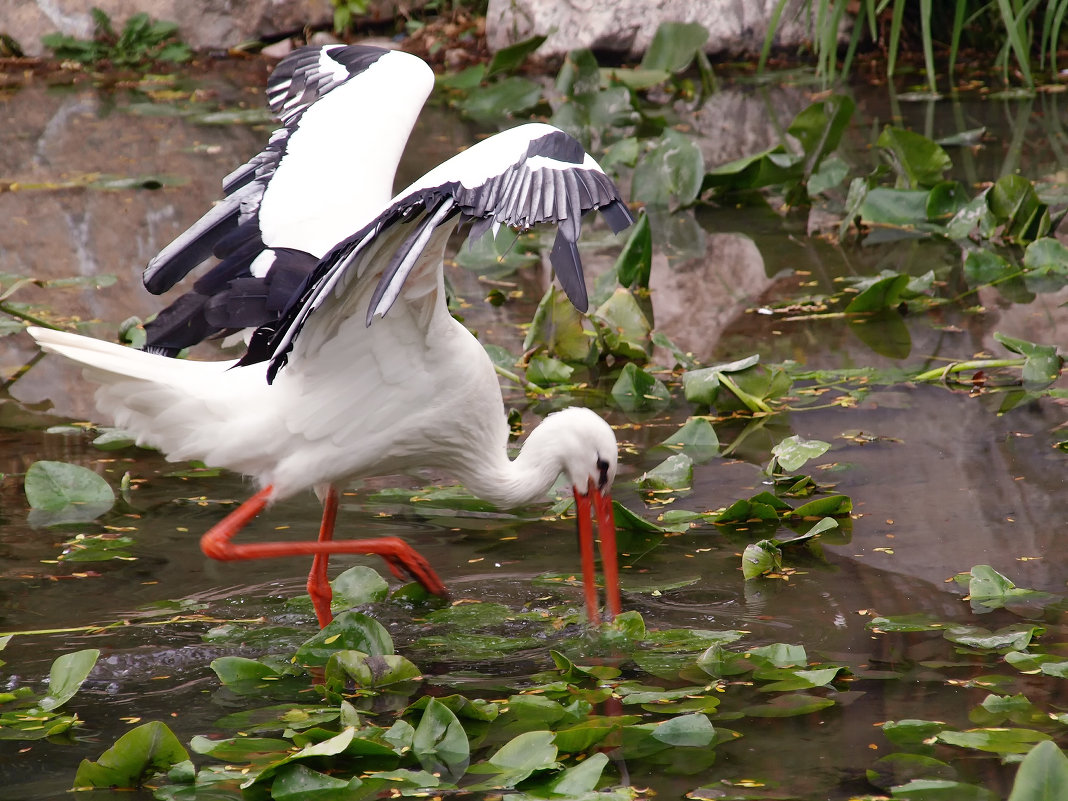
(262, 255)
(522, 177)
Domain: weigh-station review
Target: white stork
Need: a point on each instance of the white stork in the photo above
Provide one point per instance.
(362, 371)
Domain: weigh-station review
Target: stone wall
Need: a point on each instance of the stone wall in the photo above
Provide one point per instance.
(202, 24)
(736, 27)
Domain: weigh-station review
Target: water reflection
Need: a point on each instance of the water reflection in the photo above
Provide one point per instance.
(940, 483)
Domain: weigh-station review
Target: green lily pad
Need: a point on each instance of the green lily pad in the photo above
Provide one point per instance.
(141, 753)
(1042, 775)
(918, 160)
(691, 731)
(696, 438)
(997, 741)
(349, 631)
(59, 492)
(788, 706)
(1042, 364)
(941, 790)
(793, 452)
(760, 558)
(673, 474)
(557, 326)
(637, 391)
(517, 760)
(440, 742)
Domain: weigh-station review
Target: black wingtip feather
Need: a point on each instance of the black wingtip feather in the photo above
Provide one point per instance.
(568, 268)
(618, 216)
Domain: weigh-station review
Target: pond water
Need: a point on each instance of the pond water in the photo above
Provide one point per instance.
(939, 480)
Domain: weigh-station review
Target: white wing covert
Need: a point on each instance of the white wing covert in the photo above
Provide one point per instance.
(253, 282)
(526, 176)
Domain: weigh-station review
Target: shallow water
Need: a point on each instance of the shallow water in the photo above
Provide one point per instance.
(945, 483)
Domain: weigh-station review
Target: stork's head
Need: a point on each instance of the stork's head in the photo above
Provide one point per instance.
(587, 448)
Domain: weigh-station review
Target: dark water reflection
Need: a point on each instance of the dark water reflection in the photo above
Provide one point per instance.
(949, 485)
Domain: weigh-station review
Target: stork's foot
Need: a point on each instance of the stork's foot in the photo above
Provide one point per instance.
(404, 562)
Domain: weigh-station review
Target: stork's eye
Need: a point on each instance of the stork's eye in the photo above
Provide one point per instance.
(602, 474)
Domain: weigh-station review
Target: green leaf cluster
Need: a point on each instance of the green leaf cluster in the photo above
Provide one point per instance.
(141, 42)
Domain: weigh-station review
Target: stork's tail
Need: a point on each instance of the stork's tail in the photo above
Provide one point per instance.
(181, 407)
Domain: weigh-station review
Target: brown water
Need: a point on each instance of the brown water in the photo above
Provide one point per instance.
(950, 485)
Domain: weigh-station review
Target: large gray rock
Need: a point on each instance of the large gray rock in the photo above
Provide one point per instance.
(202, 24)
(736, 27)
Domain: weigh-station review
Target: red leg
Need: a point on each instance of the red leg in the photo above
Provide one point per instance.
(585, 534)
(318, 582)
(216, 543)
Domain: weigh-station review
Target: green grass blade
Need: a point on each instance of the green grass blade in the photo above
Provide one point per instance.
(928, 47)
(769, 37)
(1012, 29)
(954, 43)
(895, 37)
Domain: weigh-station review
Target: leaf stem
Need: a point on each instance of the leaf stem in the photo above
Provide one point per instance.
(959, 367)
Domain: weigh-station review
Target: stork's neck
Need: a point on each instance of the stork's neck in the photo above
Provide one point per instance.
(525, 479)
(574, 441)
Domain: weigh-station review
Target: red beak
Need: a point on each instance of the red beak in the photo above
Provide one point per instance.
(606, 529)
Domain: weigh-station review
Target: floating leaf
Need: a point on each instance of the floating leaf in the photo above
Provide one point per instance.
(696, 438)
(557, 325)
(517, 760)
(66, 493)
(988, 590)
(364, 670)
(1015, 205)
(885, 293)
(1015, 637)
(349, 631)
(787, 706)
(986, 267)
(440, 741)
(1042, 775)
(998, 741)
(358, 585)
(826, 506)
(1047, 262)
(300, 783)
(793, 452)
(141, 753)
(637, 391)
(941, 790)
(1042, 364)
(579, 779)
(760, 558)
(919, 161)
(674, 473)
(624, 326)
(545, 371)
(694, 731)
(703, 386)
(66, 676)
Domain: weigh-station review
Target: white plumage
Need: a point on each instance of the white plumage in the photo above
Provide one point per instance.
(364, 371)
